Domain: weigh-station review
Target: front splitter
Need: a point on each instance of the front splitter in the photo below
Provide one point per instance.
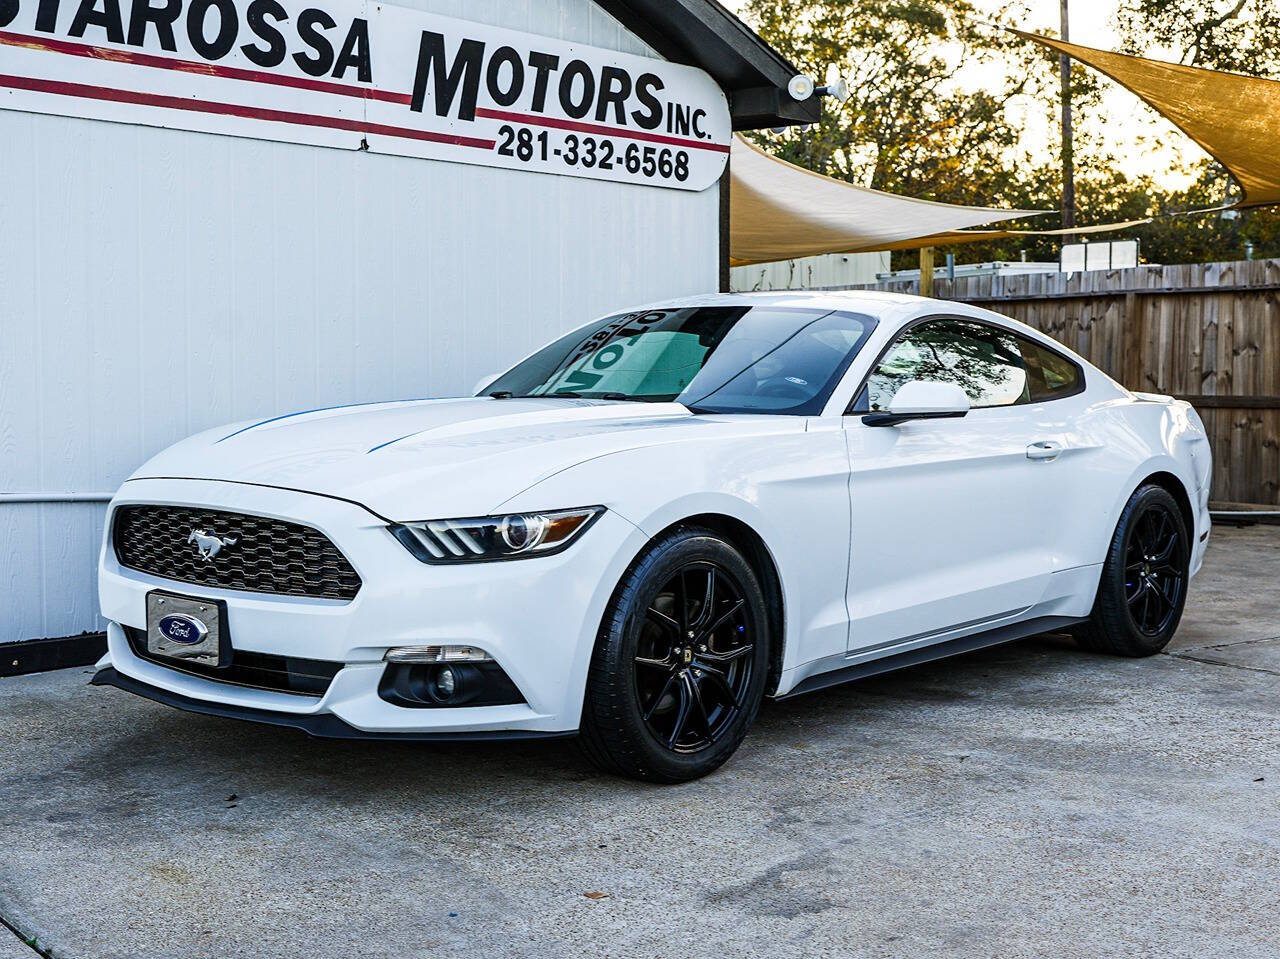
(319, 725)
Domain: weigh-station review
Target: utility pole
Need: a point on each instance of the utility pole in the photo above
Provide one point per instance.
(1068, 158)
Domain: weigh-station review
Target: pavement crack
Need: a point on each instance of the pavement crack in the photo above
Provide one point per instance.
(1232, 645)
(29, 943)
(1215, 662)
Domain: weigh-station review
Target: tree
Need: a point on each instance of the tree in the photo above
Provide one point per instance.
(917, 123)
(908, 127)
(1236, 35)
(1210, 236)
(1232, 35)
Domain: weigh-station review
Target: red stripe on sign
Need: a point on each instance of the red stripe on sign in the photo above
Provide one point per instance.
(533, 119)
(136, 58)
(64, 89)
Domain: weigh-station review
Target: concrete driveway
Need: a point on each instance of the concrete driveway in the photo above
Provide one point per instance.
(1031, 800)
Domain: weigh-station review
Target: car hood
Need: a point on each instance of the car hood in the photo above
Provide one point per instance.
(421, 459)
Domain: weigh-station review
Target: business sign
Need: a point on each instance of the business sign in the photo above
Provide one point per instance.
(359, 75)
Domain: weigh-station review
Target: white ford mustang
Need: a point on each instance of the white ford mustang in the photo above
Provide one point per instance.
(647, 527)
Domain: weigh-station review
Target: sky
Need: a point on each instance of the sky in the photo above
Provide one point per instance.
(1141, 139)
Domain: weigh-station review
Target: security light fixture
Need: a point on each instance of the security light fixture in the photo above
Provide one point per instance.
(800, 87)
(839, 90)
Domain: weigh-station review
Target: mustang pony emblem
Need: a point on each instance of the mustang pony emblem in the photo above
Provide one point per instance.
(209, 546)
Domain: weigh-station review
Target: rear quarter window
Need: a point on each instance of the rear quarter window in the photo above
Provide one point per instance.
(1050, 375)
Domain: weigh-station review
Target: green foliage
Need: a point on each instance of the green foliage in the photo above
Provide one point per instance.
(908, 126)
(1236, 35)
(912, 127)
(1205, 238)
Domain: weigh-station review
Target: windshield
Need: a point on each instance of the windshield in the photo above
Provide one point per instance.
(713, 359)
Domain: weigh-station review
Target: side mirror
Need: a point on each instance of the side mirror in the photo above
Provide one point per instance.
(922, 400)
(484, 383)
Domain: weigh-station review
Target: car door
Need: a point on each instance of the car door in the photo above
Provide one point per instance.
(951, 518)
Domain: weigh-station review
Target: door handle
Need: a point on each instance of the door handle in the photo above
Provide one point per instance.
(1044, 450)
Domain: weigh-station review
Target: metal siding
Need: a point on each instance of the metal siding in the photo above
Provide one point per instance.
(157, 282)
(810, 272)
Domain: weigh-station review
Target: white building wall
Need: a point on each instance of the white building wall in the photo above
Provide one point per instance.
(154, 283)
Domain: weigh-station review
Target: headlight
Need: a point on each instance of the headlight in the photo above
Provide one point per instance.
(514, 536)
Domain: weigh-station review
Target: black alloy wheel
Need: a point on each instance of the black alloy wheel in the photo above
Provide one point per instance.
(1155, 570)
(693, 667)
(1143, 586)
(681, 662)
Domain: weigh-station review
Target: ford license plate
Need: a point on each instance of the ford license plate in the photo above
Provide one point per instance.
(185, 628)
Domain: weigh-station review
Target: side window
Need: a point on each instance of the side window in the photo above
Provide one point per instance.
(985, 362)
(1050, 374)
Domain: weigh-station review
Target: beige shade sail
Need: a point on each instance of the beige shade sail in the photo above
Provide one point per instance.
(1235, 118)
(779, 211)
(973, 236)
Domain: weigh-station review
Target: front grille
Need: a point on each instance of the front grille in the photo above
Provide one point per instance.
(282, 674)
(268, 555)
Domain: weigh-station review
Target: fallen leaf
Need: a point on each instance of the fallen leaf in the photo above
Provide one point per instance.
(596, 895)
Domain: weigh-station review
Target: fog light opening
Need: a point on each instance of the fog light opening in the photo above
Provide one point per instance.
(445, 683)
(437, 684)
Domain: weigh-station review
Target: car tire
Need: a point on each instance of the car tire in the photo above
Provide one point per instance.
(675, 682)
(1143, 586)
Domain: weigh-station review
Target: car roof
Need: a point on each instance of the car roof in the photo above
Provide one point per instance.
(865, 301)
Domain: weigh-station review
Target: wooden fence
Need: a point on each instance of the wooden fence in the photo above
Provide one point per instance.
(1208, 333)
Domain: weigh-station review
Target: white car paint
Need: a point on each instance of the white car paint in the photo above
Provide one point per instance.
(883, 539)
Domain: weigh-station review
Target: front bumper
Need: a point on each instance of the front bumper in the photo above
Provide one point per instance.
(538, 618)
(319, 725)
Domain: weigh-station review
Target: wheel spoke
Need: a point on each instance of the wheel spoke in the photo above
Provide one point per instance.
(654, 663)
(1141, 534)
(1163, 554)
(1142, 589)
(720, 681)
(682, 715)
(682, 602)
(728, 656)
(1160, 530)
(1157, 599)
(708, 603)
(695, 694)
(659, 618)
(666, 688)
(723, 618)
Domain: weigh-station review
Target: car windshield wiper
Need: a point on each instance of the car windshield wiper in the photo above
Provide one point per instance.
(570, 395)
(508, 395)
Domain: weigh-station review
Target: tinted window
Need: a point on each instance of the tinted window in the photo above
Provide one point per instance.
(983, 361)
(714, 359)
(993, 366)
(1050, 374)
